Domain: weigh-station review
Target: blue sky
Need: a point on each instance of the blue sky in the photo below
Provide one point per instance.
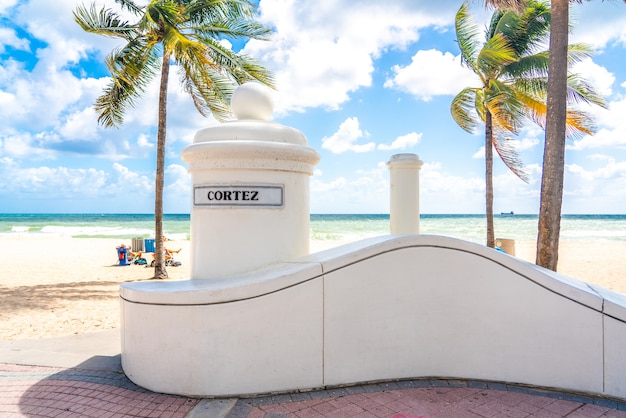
(362, 80)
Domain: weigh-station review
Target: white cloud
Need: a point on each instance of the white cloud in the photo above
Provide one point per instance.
(25, 145)
(60, 181)
(322, 51)
(599, 77)
(179, 180)
(602, 188)
(52, 184)
(318, 185)
(53, 23)
(402, 142)
(598, 23)
(432, 73)
(346, 137)
(367, 191)
(525, 143)
(143, 141)
(8, 37)
(82, 124)
(5, 5)
(611, 170)
(612, 133)
(443, 192)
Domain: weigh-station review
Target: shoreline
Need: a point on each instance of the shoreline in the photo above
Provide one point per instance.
(55, 286)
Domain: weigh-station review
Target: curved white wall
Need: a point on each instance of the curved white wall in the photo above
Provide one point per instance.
(386, 308)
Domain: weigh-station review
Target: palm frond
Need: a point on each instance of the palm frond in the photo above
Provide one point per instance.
(132, 68)
(165, 14)
(518, 5)
(506, 22)
(509, 155)
(113, 102)
(528, 66)
(578, 52)
(532, 33)
(209, 88)
(253, 70)
(580, 91)
(218, 29)
(467, 37)
(131, 6)
(578, 124)
(211, 10)
(506, 109)
(103, 22)
(534, 107)
(462, 110)
(495, 54)
(535, 86)
(480, 105)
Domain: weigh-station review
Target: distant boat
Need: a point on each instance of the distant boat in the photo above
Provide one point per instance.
(511, 213)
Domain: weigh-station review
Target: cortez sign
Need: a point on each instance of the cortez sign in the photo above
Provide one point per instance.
(269, 196)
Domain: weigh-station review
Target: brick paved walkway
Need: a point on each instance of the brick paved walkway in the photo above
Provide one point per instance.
(33, 391)
(425, 398)
(27, 391)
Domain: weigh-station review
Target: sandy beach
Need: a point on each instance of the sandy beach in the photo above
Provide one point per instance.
(51, 286)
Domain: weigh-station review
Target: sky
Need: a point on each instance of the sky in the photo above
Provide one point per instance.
(362, 80)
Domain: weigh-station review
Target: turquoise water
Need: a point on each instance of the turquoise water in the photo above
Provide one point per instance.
(323, 227)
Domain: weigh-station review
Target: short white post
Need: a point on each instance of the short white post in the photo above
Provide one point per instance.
(404, 211)
(250, 197)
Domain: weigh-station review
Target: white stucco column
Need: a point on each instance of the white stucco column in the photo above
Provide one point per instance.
(404, 211)
(250, 198)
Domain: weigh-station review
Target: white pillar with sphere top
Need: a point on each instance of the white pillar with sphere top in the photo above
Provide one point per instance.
(250, 198)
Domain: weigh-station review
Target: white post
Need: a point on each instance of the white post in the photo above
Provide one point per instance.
(250, 198)
(404, 211)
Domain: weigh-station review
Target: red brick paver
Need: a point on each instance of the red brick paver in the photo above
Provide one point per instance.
(27, 391)
(431, 402)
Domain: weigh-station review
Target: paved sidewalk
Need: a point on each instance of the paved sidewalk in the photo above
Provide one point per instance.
(81, 376)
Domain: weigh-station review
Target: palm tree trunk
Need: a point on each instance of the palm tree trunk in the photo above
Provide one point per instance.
(159, 267)
(554, 149)
(489, 179)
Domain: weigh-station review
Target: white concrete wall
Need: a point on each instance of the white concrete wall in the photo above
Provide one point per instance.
(386, 308)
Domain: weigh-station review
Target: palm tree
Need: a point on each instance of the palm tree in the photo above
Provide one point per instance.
(552, 178)
(513, 75)
(184, 32)
(554, 147)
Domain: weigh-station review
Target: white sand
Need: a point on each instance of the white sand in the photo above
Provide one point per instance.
(62, 286)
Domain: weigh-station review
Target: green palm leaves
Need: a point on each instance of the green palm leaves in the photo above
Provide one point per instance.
(512, 66)
(187, 31)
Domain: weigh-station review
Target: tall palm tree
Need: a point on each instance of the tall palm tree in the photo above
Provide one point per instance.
(513, 75)
(553, 174)
(554, 147)
(183, 32)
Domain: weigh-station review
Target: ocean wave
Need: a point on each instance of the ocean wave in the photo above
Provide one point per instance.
(95, 231)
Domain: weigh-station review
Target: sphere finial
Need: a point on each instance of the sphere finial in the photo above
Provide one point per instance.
(252, 101)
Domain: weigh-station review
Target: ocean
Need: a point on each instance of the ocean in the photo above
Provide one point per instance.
(323, 227)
